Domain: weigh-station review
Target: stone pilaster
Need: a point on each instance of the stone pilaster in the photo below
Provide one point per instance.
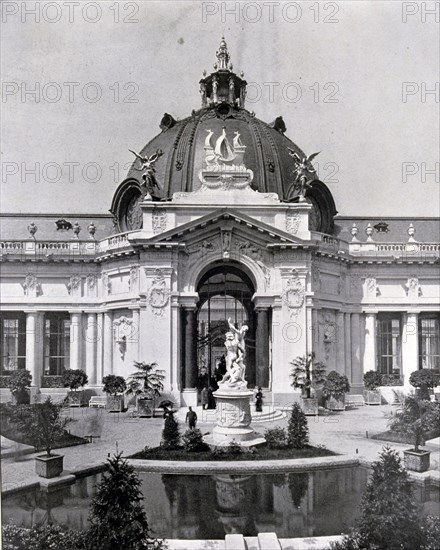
(262, 347)
(108, 343)
(75, 340)
(91, 340)
(369, 359)
(410, 345)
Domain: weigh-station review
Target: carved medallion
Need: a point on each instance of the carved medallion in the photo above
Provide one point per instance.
(293, 294)
(31, 286)
(133, 215)
(158, 296)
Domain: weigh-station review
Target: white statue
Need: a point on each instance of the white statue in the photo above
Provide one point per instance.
(235, 353)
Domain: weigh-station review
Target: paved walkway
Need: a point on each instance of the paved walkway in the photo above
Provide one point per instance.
(344, 433)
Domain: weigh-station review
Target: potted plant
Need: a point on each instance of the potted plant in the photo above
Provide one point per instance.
(334, 389)
(44, 427)
(114, 387)
(411, 421)
(307, 374)
(74, 379)
(424, 381)
(19, 383)
(146, 384)
(372, 380)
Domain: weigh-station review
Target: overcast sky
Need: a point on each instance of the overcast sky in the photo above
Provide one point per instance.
(351, 79)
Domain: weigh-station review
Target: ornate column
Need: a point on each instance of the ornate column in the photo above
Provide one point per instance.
(75, 340)
(99, 347)
(262, 347)
(369, 358)
(315, 330)
(91, 339)
(410, 345)
(356, 371)
(32, 345)
(190, 356)
(347, 331)
(108, 343)
(134, 340)
(340, 342)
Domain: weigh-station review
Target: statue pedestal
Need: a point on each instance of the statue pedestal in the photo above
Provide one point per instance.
(234, 419)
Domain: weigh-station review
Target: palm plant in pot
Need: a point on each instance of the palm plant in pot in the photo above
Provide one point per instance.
(146, 384)
(334, 389)
(372, 380)
(19, 384)
(44, 427)
(114, 387)
(412, 422)
(307, 375)
(74, 379)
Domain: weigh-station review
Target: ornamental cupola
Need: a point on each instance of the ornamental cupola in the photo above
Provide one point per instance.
(223, 85)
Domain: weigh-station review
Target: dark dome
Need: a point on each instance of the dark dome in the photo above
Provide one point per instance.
(182, 146)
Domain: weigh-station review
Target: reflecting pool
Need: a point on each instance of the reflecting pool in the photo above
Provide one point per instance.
(315, 503)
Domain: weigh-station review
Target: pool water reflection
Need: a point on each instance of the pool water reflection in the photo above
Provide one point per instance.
(209, 506)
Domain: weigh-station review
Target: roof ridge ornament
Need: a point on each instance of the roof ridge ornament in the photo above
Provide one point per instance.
(222, 55)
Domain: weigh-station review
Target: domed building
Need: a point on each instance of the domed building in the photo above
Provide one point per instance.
(221, 217)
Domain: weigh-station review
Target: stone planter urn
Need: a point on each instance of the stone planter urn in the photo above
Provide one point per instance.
(115, 403)
(416, 461)
(49, 466)
(309, 406)
(145, 406)
(75, 398)
(335, 402)
(372, 397)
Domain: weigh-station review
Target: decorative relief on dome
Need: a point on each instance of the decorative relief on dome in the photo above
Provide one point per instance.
(31, 286)
(223, 167)
(158, 295)
(133, 215)
(293, 294)
(159, 220)
(292, 222)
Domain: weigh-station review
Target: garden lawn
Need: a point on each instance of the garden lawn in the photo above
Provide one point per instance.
(260, 453)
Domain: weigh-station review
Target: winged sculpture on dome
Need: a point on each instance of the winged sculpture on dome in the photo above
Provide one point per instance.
(148, 177)
(304, 172)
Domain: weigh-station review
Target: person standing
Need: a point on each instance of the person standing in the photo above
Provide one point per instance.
(191, 419)
(259, 400)
(204, 397)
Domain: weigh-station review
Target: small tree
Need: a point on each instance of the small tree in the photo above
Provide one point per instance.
(372, 380)
(45, 426)
(19, 383)
(170, 433)
(113, 384)
(117, 517)
(297, 429)
(306, 373)
(148, 380)
(389, 516)
(424, 380)
(74, 379)
(335, 384)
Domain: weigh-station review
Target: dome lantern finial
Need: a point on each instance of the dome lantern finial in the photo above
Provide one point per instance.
(222, 55)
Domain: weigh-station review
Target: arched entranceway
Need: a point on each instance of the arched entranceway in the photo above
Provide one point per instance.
(224, 290)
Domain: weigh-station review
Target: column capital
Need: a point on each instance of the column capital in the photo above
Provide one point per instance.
(262, 302)
(189, 301)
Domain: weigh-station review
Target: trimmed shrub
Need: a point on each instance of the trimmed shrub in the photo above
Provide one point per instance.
(372, 380)
(193, 441)
(297, 429)
(117, 517)
(424, 380)
(42, 538)
(276, 438)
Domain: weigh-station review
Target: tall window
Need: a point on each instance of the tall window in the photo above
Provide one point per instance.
(389, 344)
(13, 342)
(429, 342)
(56, 343)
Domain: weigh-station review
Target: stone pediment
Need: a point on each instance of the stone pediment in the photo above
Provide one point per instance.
(221, 221)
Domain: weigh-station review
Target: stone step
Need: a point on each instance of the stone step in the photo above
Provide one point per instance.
(269, 414)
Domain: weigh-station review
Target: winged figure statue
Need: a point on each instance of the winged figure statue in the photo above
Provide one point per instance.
(147, 165)
(304, 172)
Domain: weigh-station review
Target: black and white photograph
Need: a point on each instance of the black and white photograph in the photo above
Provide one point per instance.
(220, 275)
